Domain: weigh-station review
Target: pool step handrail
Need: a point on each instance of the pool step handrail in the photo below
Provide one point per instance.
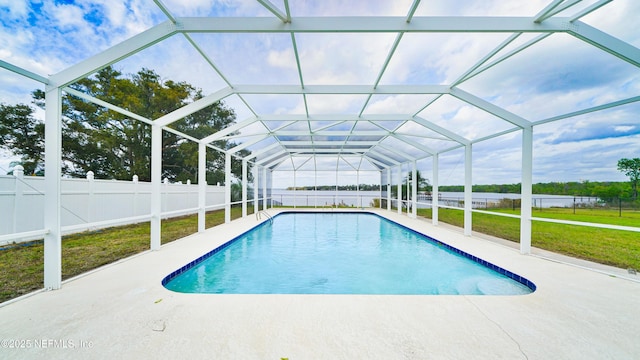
(259, 216)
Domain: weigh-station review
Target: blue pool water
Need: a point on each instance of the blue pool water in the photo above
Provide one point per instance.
(340, 253)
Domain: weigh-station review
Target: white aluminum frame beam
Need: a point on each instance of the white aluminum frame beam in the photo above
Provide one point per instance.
(468, 190)
(193, 107)
(114, 54)
(229, 130)
(369, 24)
(396, 151)
(227, 188)
(52, 190)
(504, 57)
(450, 135)
(339, 89)
(202, 186)
(526, 191)
(606, 42)
(333, 117)
(285, 18)
(107, 105)
(156, 187)
(24, 72)
(588, 110)
(414, 144)
(435, 192)
(490, 108)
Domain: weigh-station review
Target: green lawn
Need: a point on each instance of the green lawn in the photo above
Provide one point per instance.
(611, 247)
(22, 267)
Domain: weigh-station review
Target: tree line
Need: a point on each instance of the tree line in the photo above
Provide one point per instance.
(362, 187)
(113, 145)
(603, 189)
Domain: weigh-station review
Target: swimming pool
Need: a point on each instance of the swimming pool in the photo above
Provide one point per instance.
(341, 253)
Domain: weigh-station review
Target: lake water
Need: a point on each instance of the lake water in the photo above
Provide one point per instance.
(322, 198)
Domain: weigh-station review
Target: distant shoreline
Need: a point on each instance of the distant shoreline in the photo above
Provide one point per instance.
(602, 189)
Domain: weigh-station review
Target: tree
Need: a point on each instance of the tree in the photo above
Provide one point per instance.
(115, 146)
(23, 135)
(631, 168)
(423, 185)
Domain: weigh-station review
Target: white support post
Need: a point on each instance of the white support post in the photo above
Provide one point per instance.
(52, 202)
(389, 189)
(227, 188)
(202, 186)
(527, 190)
(256, 187)
(294, 188)
(270, 181)
(468, 190)
(435, 191)
(414, 191)
(335, 194)
(244, 188)
(380, 193)
(408, 195)
(264, 188)
(358, 199)
(399, 189)
(156, 186)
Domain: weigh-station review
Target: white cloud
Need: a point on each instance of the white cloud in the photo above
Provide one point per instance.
(14, 9)
(342, 59)
(282, 59)
(397, 104)
(350, 8)
(68, 16)
(482, 8)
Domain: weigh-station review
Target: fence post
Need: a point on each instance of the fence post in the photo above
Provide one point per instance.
(91, 201)
(18, 199)
(164, 196)
(187, 197)
(136, 197)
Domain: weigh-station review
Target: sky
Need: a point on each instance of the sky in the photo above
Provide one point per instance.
(558, 75)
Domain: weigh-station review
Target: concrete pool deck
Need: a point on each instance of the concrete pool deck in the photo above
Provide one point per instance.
(122, 311)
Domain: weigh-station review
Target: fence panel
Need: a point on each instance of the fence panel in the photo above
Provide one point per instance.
(87, 201)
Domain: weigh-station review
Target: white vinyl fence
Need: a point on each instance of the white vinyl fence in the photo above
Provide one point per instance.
(89, 204)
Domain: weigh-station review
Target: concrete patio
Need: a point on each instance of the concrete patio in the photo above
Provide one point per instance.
(122, 311)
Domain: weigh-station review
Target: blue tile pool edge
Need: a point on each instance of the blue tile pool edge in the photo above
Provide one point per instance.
(522, 280)
(207, 255)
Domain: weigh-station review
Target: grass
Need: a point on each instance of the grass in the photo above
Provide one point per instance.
(22, 267)
(611, 247)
